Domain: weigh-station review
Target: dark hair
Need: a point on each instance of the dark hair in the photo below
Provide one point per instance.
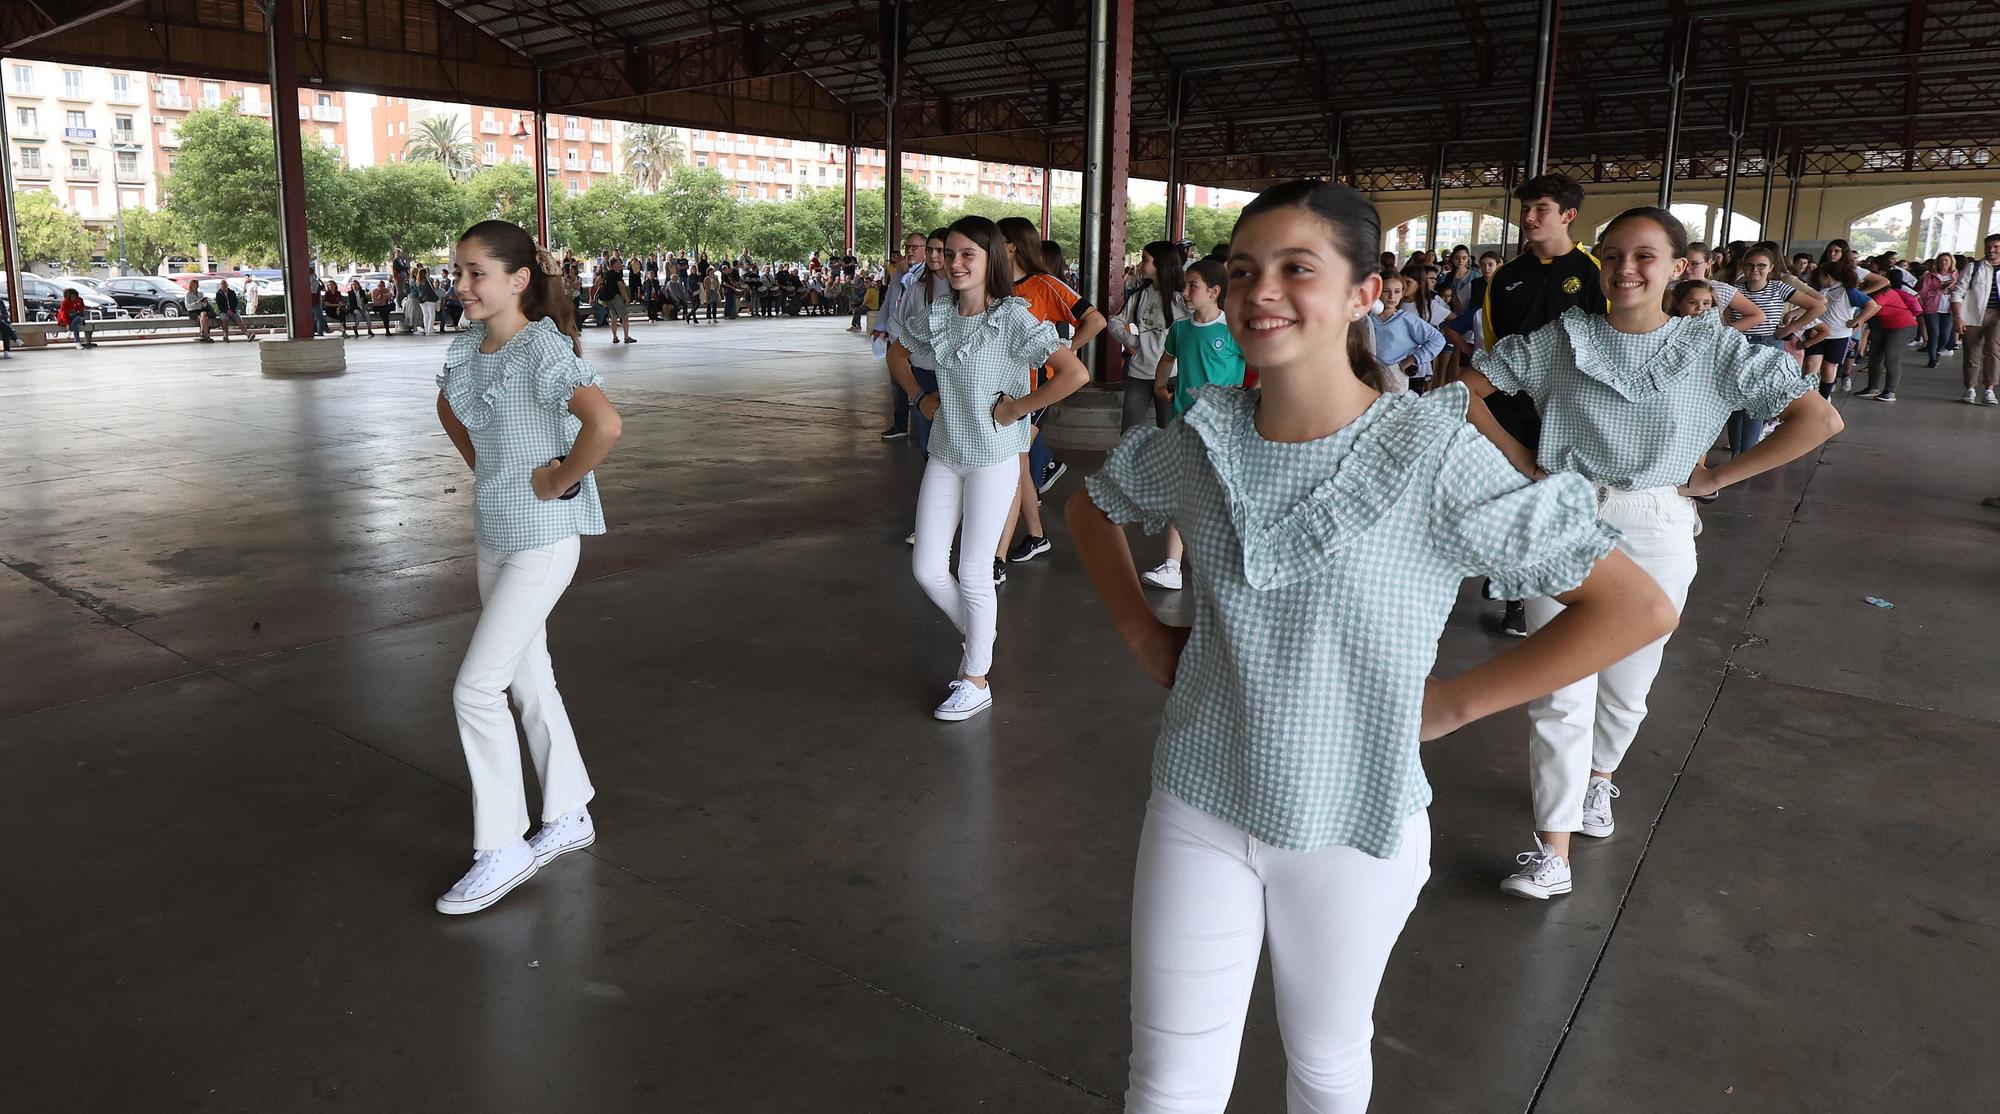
(1688, 286)
(1677, 233)
(989, 238)
(509, 245)
(1990, 239)
(931, 277)
(1211, 273)
(1169, 265)
(1026, 240)
(1841, 271)
(1559, 188)
(1826, 253)
(1052, 257)
(1219, 253)
(1356, 230)
(1491, 254)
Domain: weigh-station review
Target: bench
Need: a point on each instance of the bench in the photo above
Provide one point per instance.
(36, 334)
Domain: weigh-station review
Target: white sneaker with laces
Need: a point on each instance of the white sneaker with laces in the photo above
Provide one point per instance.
(1597, 808)
(493, 874)
(1543, 874)
(1991, 398)
(1167, 575)
(572, 831)
(966, 700)
(1971, 397)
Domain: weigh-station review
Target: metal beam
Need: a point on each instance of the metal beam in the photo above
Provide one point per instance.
(891, 47)
(1107, 163)
(1542, 106)
(294, 254)
(1437, 199)
(1739, 110)
(1771, 139)
(543, 235)
(847, 193)
(1176, 189)
(1677, 67)
(9, 235)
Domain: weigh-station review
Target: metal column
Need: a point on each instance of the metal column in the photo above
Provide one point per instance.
(1547, 33)
(1677, 69)
(542, 236)
(1176, 189)
(1506, 209)
(848, 191)
(1739, 108)
(1336, 128)
(1048, 187)
(1437, 199)
(892, 151)
(9, 238)
(1795, 168)
(294, 253)
(1770, 179)
(1107, 163)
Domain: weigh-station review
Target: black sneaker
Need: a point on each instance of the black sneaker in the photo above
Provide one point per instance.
(1028, 548)
(999, 572)
(1050, 475)
(1515, 622)
(894, 434)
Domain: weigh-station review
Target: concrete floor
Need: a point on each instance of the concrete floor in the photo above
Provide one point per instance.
(232, 607)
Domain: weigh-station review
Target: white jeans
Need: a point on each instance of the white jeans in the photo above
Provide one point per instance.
(430, 314)
(510, 655)
(973, 501)
(1206, 898)
(1589, 725)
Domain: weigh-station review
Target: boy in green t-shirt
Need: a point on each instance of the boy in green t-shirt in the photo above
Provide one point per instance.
(1199, 353)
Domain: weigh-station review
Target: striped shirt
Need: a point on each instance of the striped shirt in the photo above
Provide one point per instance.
(1772, 300)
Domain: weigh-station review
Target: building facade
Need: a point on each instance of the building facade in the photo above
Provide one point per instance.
(323, 114)
(83, 134)
(582, 150)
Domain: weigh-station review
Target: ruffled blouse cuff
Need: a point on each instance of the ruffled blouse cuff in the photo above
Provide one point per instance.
(1108, 488)
(1566, 545)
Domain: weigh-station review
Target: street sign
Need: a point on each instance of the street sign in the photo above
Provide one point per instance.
(79, 133)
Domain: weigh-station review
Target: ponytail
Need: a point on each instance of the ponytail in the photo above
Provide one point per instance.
(1361, 356)
(509, 245)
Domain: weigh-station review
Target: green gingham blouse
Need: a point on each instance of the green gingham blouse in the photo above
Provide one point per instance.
(977, 358)
(515, 404)
(1638, 410)
(1322, 574)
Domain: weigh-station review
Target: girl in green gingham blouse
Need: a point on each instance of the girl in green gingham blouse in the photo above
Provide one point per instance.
(1329, 528)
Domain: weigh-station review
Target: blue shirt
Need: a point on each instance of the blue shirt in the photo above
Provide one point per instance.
(1404, 335)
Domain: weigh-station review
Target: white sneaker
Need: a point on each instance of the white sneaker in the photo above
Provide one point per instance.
(493, 874)
(1971, 397)
(1543, 874)
(1847, 383)
(1597, 807)
(1991, 398)
(912, 539)
(572, 831)
(966, 700)
(1167, 575)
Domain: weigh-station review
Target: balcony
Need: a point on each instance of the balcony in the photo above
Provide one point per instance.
(132, 174)
(326, 113)
(599, 135)
(129, 96)
(489, 158)
(84, 173)
(124, 135)
(31, 173)
(73, 93)
(492, 127)
(169, 140)
(572, 133)
(599, 166)
(175, 101)
(25, 131)
(255, 108)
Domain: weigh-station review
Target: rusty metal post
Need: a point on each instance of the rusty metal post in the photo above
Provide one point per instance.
(542, 234)
(1107, 166)
(294, 250)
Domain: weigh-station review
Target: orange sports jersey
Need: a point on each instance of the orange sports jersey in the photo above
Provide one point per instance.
(1050, 299)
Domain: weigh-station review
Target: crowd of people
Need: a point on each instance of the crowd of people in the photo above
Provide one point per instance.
(689, 287)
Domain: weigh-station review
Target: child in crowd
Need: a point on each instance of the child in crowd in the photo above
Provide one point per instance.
(1199, 352)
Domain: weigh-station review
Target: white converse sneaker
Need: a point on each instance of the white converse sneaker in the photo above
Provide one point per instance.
(1597, 808)
(966, 700)
(1167, 575)
(572, 831)
(1543, 874)
(493, 873)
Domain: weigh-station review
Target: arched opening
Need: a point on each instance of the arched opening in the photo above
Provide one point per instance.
(1887, 227)
(1455, 227)
(1704, 224)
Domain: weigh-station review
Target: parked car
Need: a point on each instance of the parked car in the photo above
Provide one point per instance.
(148, 295)
(41, 297)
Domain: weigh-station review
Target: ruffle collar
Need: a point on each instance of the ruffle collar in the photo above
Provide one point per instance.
(1590, 335)
(970, 341)
(476, 403)
(1384, 446)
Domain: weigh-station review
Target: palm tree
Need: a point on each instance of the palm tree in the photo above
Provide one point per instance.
(651, 153)
(442, 140)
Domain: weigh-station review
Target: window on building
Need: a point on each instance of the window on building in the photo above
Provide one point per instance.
(326, 100)
(128, 163)
(326, 136)
(491, 148)
(121, 86)
(84, 202)
(74, 119)
(21, 79)
(79, 161)
(170, 87)
(701, 162)
(72, 83)
(31, 158)
(132, 200)
(211, 94)
(122, 125)
(25, 118)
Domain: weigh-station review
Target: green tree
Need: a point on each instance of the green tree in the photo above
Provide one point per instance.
(651, 154)
(778, 230)
(699, 207)
(1208, 227)
(49, 233)
(504, 192)
(608, 216)
(443, 140)
(409, 207)
(224, 186)
(151, 235)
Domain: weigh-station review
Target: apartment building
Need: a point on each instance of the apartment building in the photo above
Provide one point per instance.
(582, 150)
(323, 114)
(83, 134)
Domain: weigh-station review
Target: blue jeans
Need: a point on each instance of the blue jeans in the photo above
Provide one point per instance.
(1039, 459)
(920, 426)
(1941, 329)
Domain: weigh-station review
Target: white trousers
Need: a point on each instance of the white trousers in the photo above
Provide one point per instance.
(1589, 725)
(510, 655)
(1206, 898)
(974, 502)
(430, 315)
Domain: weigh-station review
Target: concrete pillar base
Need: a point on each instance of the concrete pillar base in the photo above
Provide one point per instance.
(282, 356)
(1087, 421)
